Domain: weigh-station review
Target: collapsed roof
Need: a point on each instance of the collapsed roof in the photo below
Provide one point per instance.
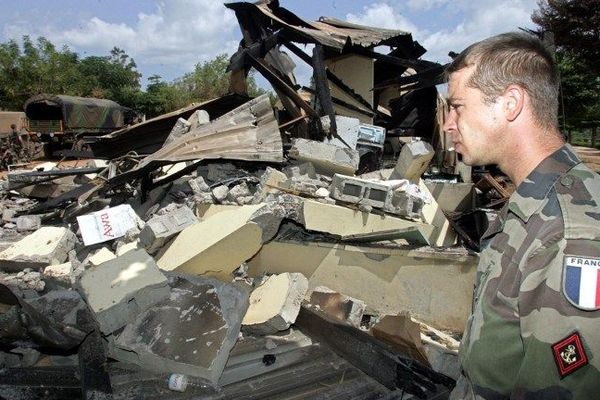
(349, 76)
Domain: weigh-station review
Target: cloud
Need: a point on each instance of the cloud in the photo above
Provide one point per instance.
(443, 25)
(176, 36)
(382, 15)
(479, 21)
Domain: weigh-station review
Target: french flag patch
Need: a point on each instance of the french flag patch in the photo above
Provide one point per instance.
(581, 282)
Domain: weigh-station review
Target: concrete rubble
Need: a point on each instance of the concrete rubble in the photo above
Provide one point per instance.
(274, 305)
(204, 242)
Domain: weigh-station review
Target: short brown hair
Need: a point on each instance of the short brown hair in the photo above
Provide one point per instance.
(514, 58)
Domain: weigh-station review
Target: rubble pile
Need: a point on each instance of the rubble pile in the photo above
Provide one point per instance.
(228, 239)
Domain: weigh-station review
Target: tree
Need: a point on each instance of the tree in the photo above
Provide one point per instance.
(35, 68)
(113, 77)
(211, 79)
(575, 25)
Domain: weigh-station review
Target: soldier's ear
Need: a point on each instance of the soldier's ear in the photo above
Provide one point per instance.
(514, 101)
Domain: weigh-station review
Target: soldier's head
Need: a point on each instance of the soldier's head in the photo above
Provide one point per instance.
(514, 58)
(509, 81)
(13, 127)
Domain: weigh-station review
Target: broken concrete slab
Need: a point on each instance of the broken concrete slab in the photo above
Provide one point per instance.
(119, 289)
(275, 304)
(337, 305)
(434, 285)
(107, 224)
(160, 228)
(328, 159)
(216, 246)
(413, 161)
(361, 226)
(191, 332)
(47, 246)
(198, 185)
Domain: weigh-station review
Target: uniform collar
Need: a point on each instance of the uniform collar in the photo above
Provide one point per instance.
(531, 193)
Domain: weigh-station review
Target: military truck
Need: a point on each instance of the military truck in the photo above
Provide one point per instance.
(59, 121)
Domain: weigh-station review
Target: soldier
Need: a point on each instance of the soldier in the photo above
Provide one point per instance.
(535, 328)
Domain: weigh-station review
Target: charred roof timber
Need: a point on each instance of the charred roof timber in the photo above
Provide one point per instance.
(350, 77)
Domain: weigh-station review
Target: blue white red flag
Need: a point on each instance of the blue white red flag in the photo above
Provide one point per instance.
(581, 282)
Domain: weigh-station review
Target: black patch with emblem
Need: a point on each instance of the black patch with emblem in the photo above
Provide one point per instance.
(569, 354)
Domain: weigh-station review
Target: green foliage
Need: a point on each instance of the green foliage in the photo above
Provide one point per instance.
(38, 67)
(211, 79)
(575, 25)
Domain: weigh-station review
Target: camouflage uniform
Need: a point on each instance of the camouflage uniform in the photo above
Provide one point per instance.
(529, 336)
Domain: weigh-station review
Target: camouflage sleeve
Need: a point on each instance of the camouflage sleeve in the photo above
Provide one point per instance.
(559, 304)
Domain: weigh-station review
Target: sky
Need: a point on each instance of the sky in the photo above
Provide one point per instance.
(169, 37)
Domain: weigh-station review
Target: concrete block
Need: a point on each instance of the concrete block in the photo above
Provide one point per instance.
(413, 161)
(220, 192)
(275, 304)
(270, 182)
(339, 306)
(160, 228)
(29, 223)
(359, 191)
(404, 204)
(328, 159)
(61, 273)
(216, 246)
(47, 246)
(191, 332)
(360, 226)
(198, 118)
(434, 285)
(300, 170)
(122, 288)
(180, 128)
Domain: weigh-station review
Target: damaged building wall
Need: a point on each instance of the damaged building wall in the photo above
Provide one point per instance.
(357, 71)
(435, 286)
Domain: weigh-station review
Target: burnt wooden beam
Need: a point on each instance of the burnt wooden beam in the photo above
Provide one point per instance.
(323, 94)
(344, 104)
(374, 357)
(280, 84)
(330, 75)
(401, 62)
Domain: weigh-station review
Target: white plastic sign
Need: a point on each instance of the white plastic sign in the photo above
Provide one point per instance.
(107, 224)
